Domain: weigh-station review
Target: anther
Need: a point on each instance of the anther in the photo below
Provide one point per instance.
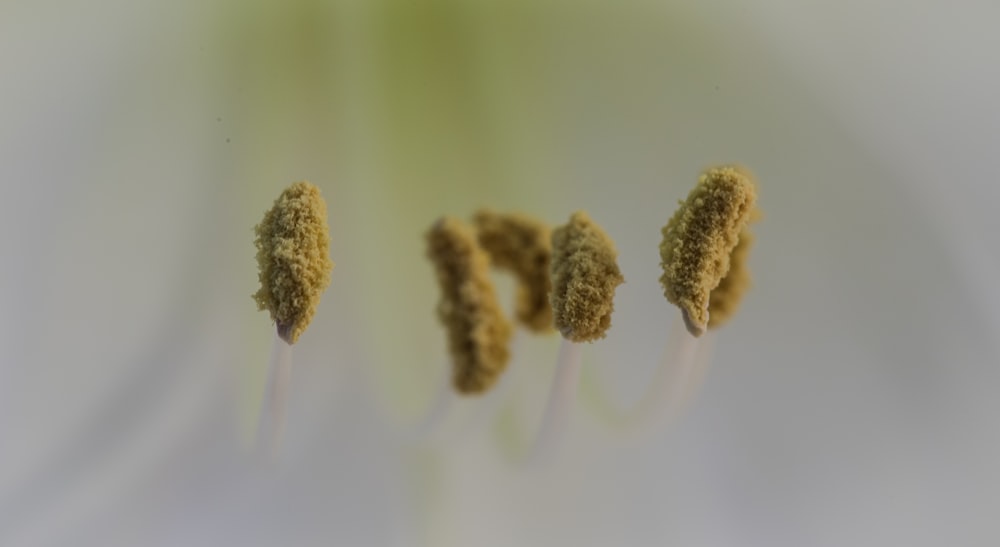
(584, 277)
(293, 256)
(522, 245)
(700, 238)
(478, 332)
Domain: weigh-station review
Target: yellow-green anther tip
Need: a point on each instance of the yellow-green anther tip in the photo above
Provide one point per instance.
(585, 275)
(293, 257)
(699, 239)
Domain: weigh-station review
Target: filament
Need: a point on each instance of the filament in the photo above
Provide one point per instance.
(271, 425)
(562, 397)
(670, 389)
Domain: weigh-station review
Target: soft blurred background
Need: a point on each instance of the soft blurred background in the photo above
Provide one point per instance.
(851, 402)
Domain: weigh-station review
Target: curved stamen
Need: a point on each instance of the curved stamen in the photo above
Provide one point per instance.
(522, 245)
(704, 255)
(699, 239)
(478, 332)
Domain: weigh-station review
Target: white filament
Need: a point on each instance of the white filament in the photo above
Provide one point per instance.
(271, 425)
(562, 398)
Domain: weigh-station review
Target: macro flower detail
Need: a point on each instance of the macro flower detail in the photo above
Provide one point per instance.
(699, 240)
(522, 245)
(293, 257)
(841, 390)
(478, 331)
(584, 277)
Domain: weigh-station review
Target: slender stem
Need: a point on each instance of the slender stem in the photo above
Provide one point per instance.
(561, 400)
(431, 427)
(702, 359)
(271, 426)
(669, 388)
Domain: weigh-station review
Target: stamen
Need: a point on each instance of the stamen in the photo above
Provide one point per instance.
(699, 239)
(522, 245)
(704, 251)
(478, 332)
(293, 255)
(584, 277)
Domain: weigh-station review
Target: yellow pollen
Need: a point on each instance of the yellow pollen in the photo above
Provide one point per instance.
(584, 277)
(522, 245)
(478, 332)
(293, 257)
(699, 240)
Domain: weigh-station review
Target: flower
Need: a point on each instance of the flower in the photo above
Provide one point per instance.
(851, 397)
